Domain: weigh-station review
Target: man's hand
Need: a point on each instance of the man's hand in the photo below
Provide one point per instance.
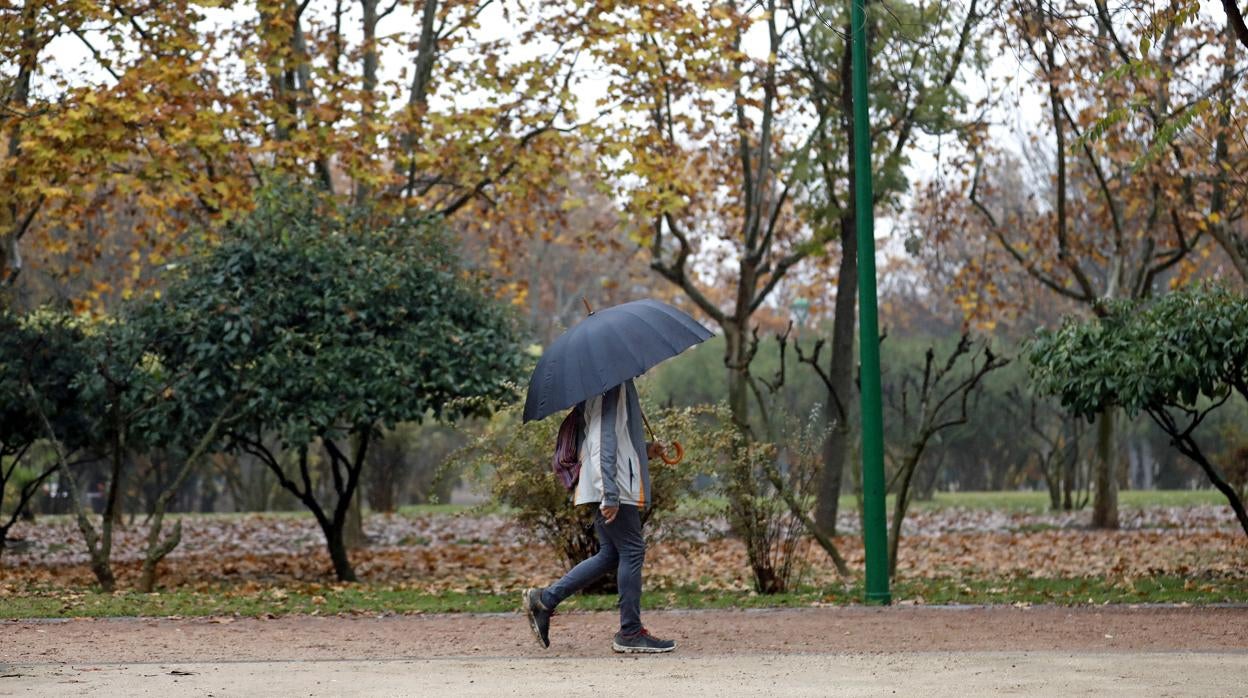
(608, 513)
(654, 449)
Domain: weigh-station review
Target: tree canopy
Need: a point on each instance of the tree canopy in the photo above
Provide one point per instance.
(1176, 359)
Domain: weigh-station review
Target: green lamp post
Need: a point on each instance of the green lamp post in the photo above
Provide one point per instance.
(875, 534)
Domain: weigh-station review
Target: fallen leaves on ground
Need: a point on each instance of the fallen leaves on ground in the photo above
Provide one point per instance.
(473, 553)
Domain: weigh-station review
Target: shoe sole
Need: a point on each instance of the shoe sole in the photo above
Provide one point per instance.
(528, 611)
(625, 649)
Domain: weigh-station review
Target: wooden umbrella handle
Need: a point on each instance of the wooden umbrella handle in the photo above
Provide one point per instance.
(680, 454)
(680, 450)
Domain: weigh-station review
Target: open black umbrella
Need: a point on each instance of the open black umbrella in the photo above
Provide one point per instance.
(606, 349)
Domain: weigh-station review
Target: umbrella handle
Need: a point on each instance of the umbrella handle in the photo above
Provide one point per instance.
(680, 454)
(680, 450)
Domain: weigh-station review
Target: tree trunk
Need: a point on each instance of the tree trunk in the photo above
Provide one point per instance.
(338, 551)
(736, 360)
(338, 527)
(368, 107)
(157, 549)
(1232, 497)
(841, 370)
(1187, 445)
(1105, 503)
(353, 535)
(1053, 479)
(841, 376)
(12, 222)
(1069, 470)
(902, 503)
(417, 99)
(99, 559)
(101, 554)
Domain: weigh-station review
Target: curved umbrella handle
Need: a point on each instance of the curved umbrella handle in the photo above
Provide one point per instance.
(680, 454)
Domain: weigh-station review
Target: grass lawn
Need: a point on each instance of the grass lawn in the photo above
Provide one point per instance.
(373, 599)
(1039, 501)
(1030, 501)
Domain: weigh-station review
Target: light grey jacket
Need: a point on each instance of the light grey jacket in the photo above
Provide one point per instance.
(614, 466)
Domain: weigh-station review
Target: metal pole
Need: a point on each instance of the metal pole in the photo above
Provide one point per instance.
(875, 534)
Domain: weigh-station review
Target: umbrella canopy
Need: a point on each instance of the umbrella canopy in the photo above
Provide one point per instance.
(606, 349)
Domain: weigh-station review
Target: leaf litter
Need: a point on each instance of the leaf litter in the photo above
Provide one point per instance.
(268, 553)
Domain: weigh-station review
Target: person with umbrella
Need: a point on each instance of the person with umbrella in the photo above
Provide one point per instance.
(592, 366)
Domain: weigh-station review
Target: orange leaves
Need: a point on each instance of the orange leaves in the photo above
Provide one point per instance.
(190, 114)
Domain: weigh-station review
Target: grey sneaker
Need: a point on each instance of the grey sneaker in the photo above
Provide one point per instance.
(641, 643)
(539, 617)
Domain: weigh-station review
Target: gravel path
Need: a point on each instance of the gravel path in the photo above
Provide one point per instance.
(850, 651)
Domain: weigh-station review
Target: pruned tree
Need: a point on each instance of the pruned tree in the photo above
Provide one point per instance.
(925, 404)
(1056, 447)
(331, 324)
(796, 490)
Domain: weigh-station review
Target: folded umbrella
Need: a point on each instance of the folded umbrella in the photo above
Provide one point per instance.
(606, 349)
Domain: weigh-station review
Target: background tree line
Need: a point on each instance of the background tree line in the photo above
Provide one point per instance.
(1032, 160)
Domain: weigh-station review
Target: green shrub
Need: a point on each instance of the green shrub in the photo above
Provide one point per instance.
(514, 460)
(750, 475)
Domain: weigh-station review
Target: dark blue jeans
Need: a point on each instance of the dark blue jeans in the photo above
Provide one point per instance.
(622, 548)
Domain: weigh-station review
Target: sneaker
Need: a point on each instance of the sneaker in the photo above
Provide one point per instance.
(539, 617)
(641, 643)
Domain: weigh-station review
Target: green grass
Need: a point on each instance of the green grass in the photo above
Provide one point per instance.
(1088, 590)
(374, 599)
(1037, 502)
(429, 509)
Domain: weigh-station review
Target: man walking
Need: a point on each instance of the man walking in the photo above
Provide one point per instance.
(615, 477)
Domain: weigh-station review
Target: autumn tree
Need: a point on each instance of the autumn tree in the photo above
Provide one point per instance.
(1112, 209)
(918, 52)
(700, 149)
(86, 147)
(113, 167)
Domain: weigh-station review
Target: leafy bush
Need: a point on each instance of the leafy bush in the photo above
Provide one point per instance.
(1178, 360)
(764, 481)
(43, 354)
(514, 461)
(321, 326)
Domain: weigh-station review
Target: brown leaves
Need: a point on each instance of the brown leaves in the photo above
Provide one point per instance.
(277, 554)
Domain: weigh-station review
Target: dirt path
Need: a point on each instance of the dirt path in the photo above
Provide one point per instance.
(958, 675)
(854, 651)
